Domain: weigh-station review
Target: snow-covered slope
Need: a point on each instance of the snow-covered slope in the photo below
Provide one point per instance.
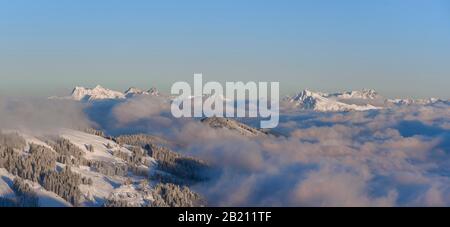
(108, 173)
(363, 100)
(131, 92)
(323, 102)
(226, 123)
(101, 93)
(402, 102)
(362, 94)
(100, 145)
(97, 93)
(45, 198)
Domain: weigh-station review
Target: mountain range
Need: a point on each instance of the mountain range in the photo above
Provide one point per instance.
(361, 100)
(100, 93)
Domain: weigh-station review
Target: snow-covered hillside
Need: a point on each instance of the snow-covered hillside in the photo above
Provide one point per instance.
(132, 92)
(233, 125)
(362, 94)
(101, 171)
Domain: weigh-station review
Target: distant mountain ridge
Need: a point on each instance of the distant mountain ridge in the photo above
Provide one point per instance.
(362, 94)
(324, 102)
(363, 100)
(359, 100)
(82, 93)
(100, 93)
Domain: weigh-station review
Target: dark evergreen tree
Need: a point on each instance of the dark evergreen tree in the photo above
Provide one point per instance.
(25, 196)
(94, 131)
(67, 152)
(171, 195)
(7, 202)
(183, 167)
(64, 183)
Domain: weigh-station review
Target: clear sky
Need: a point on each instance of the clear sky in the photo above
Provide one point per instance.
(398, 47)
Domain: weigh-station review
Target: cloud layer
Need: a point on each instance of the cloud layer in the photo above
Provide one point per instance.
(393, 157)
(41, 115)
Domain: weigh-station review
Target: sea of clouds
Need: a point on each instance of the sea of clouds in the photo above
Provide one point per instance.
(41, 116)
(391, 157)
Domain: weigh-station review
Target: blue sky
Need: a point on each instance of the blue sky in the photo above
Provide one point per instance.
(398, 47)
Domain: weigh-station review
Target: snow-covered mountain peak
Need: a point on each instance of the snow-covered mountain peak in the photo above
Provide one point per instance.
(307, 94)
(133, 91)
(305, 99)
(409, 101)
(304, 94)
(318, 101)
(99, 87)
(361, 94)
(153, 91)
(80, 93)
(96, 93)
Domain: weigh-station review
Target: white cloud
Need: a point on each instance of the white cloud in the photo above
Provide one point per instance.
(41, 116)
(396, 157)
